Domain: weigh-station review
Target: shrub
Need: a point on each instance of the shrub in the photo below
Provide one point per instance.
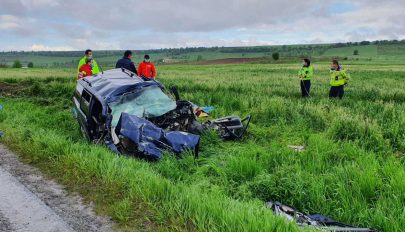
(30, 65)
(36, 89)
(276, 56)
(17, 64)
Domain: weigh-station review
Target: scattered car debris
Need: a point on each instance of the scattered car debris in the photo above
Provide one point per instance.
(135, 116)
(202, 112)
(297, 148)
(208, 109)
(316, 221)
(230, 128)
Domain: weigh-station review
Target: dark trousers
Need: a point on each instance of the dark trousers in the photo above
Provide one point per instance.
(305, 88)
(336, 92)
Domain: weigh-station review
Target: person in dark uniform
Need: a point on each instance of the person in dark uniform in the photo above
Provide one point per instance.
(126, 62)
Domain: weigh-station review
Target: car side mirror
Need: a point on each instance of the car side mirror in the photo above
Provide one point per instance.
(173, 89)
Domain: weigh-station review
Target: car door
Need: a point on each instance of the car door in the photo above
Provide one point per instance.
(83, 116)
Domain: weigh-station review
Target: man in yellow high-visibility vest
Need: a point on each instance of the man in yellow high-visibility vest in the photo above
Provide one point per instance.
(339, 77)
(88, 54)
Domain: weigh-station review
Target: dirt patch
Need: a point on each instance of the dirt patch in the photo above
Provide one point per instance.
(231, 61)
(8, 90)
(43, 195)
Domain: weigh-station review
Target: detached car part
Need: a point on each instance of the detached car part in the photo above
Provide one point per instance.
(315, 221)
(230, 128)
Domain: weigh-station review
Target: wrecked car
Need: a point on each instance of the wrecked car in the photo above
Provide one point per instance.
(141, 117)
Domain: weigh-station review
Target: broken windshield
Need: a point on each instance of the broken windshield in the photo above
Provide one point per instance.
(148, 103)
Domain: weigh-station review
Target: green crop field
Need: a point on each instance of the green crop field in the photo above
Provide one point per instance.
(388, 52)
(364, 51)
(352, 168)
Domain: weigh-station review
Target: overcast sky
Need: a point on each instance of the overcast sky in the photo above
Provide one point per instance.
(134, 24)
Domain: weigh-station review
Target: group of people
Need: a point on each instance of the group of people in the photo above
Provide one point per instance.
(339, 77)
(88, 66)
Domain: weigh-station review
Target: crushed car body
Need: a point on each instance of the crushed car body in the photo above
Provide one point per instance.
(137, 117)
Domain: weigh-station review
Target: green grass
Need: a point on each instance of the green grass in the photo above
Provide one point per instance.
(387, 53)
(364, 51)
(352, 168)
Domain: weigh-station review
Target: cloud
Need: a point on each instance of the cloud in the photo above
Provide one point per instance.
(38, 4)
(104, 24)
(177, 41)
(19, 25)
(186, 16)
(41, 47)
(8, 22)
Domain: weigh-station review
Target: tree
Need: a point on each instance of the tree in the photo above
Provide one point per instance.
(17, 64)
(276, 56)
(365, 43)
(356, 52)
(30, 65)
(199, 58)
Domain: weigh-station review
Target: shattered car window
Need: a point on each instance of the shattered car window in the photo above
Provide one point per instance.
(150, 102)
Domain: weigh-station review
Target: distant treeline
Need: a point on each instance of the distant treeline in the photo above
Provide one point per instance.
(311, 49)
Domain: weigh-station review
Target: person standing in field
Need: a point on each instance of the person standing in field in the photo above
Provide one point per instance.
(147, 69)
(339, 77)
(86, 69)
(126, 62)
(88, 54)
(305, 74)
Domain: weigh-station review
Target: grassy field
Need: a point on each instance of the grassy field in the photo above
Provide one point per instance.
(364, 51)
(380, 53)
(352, 168)
(377, 54)
(41, 61)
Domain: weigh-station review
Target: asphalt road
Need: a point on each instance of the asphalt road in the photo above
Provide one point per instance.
(31, 202)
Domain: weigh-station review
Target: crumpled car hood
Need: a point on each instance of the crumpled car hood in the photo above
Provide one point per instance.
(151, 140)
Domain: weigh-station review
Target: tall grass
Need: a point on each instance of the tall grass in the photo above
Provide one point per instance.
(352, 168)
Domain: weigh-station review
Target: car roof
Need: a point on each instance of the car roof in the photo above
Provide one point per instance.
(111, 84)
